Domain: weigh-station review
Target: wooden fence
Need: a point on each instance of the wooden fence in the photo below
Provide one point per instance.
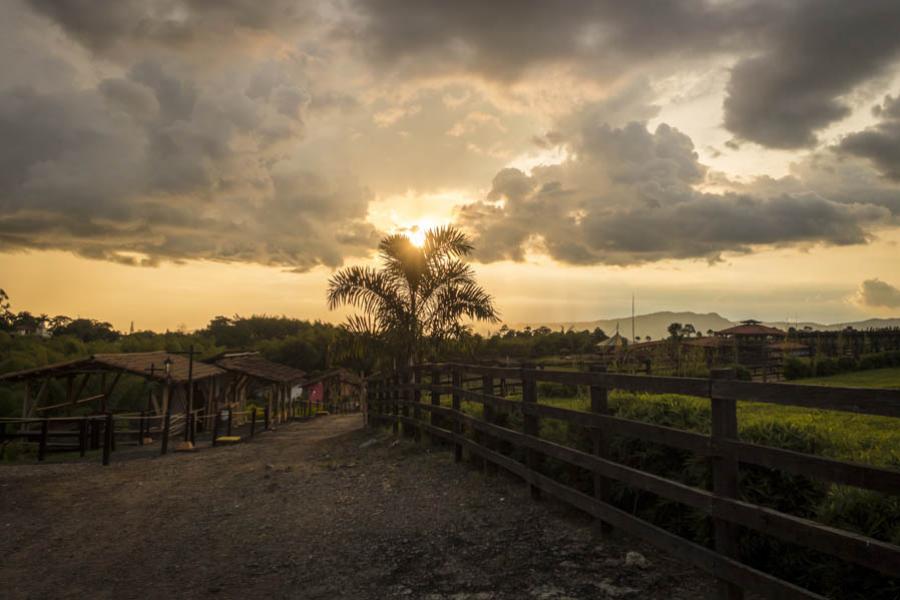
(104, 432)
(397, 399)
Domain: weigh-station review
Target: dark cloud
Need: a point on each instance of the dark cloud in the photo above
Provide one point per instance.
(105, 26)
(794, 85)
(878, 294)
(879, 144)
(628, 195)
(798, 59)
(154, 166)
(503, 39)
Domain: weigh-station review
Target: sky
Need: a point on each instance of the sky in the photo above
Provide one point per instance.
(166, 161)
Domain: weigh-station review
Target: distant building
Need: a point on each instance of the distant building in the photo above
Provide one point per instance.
(752, 331)
(37, 330)
(612, 344)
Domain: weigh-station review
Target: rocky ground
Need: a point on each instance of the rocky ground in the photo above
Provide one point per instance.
(322, 509)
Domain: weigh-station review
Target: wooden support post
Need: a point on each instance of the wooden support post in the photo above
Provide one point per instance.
(600, 442)
(26, 399)
(725, 481)
(395, 396)
(164, 446)
(252, 421)
(95, 434)
(417, 398)
(531, 423)
(405, 380)
(265, 416)
(215, 432)
(230, 420)
(490, 416)
(109, 433)
(456, 382)
(141, 428)
(82, 436)
(42, 444)
(435, 401)
(112, 439)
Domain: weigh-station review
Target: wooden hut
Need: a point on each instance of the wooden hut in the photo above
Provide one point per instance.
(280, 385)
(179, 379)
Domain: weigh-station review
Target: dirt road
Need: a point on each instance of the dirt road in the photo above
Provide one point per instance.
(322, 509)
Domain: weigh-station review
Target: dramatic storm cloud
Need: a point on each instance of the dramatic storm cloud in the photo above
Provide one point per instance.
(283, 133)
(881, 143)
(630, 195)
(795, 83)
(877, 293)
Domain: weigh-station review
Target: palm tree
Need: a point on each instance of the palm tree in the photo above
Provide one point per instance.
(419, 295)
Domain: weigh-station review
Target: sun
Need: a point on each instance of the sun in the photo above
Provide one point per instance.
(416, 235)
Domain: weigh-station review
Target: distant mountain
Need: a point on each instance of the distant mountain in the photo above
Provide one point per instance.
(653, 324)
(656, 324)
(861, 325)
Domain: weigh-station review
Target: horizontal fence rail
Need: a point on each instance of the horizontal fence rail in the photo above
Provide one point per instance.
(405, 399)
(105, 431)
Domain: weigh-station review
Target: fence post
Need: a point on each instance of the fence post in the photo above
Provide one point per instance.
(395, 405)
(530, 421)
(95, 434)
(369, 400)
(252, 421)
(600, 441)
(405, 396)
(417, 398)
(108, 436)
(435, 401)
(82, 436)
(725, 478)
(383, 406)
(456, 382)
(215, 433)
(490, 416)
(167, 421)
(42, 445)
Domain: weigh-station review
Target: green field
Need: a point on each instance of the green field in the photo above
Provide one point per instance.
(847, 436)
(875, 378)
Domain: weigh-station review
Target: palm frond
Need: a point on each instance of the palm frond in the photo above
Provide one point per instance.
(447, 241)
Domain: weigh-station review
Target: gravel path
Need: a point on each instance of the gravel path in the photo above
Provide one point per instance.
(321, 509)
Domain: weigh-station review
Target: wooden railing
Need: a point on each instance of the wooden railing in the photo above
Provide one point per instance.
(397, 399)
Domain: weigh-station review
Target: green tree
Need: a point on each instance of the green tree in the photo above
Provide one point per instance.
(419, 296)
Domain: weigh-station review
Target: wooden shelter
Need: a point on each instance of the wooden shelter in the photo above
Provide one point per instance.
(281, 384)
(338, 390)
(176, 374)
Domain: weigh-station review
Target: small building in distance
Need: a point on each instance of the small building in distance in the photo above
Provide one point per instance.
(752, 331)
(38, 329)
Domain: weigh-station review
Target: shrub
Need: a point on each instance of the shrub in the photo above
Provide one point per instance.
(847, 363)
(795, 368)
(742, 373)
(826, 367)
(548, 389)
